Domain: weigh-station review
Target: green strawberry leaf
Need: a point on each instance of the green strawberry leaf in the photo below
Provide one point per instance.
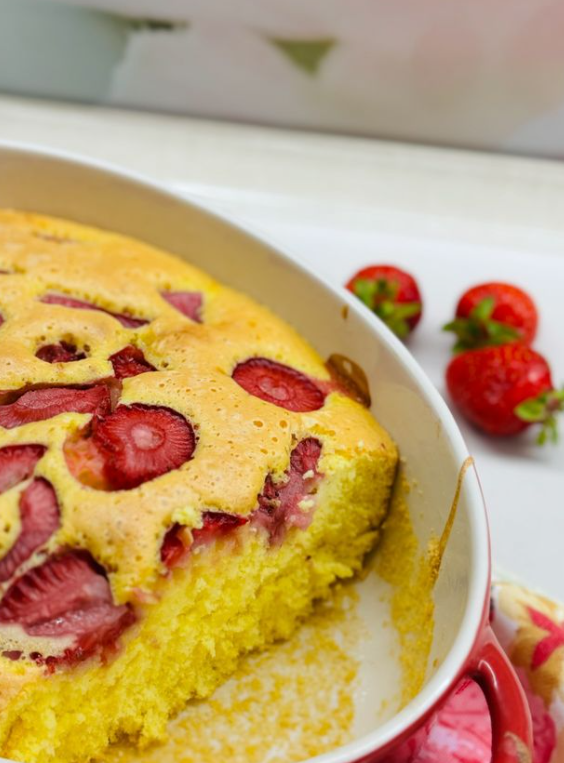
(483, 310)
(543, 410)
(305, 54)
(479, 330)
(366, 291)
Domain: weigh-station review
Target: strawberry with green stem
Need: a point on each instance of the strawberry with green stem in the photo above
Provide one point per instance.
(493, 313)
(505, 389)
(392, 294)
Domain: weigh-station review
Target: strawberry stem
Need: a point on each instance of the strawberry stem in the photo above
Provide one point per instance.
(543, 410)
(380, 296)
(479, 329)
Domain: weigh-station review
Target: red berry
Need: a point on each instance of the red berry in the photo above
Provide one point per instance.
(125, 320)
(41, 404)
(68, 595)
(139, 443)
(279, 502)
(130, 362)
(17, 463)
(39, 516)
(493, 313)
(488, 385)
(216, 524)
(392, 294)
(177, 542)
(189, 303)
(63, 352)
(279, 385)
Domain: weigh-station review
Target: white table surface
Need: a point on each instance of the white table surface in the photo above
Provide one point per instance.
(453, 218)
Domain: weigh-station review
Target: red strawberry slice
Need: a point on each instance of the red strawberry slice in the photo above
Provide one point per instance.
(63, 352)
(130, 362)
(39, 516)
(125, 320)
(177, 542)
(17, 463)
(217, 524)
(41, 404)
(173, 548)
(140, 442)
(279, 502)
(68, 595)
(278, 384)
(1, 319)
(189, 303)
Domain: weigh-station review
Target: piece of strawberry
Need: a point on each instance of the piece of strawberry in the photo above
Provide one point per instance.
(68, 595)
(141, 442)
(62, 352)
(493, 313)
(278, 384)
(39, 517)
(130, 361)
(177, 541)
(17, 463)
(41, 404)
(216, 524)
(392, 294)
(279, 503)
(189, 303)
(126, 320)
(504, 389)
(85, 461)
(1, 319)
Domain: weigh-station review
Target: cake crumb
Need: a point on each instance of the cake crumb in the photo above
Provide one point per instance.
(290, 703)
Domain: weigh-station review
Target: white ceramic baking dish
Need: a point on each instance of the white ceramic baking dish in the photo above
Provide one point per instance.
(403, 400)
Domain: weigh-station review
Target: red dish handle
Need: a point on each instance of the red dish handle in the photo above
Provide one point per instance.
(509, 709)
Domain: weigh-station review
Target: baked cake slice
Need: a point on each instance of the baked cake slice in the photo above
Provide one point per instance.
(180, 480)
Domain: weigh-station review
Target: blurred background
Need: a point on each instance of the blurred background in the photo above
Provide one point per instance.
(483, 74)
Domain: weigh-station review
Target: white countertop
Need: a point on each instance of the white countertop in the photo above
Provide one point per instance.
(452, 217)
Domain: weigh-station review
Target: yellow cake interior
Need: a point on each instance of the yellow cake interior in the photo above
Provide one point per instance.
(234, 596)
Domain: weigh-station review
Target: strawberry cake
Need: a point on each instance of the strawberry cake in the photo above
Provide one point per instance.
(181, 478)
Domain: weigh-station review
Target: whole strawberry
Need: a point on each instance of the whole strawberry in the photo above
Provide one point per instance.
(392, 294)
(493, 313)
(505, 389)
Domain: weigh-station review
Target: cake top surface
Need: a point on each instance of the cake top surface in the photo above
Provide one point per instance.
(80, 307)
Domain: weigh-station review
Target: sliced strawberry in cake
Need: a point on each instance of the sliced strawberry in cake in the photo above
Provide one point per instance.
(41, 404)
(189, 303)
(17, 463)
(126, 320)
(62, 352)
(39, 517)
(178, 541)
(279, 384)
(133, 445)
(130, 362)
(290, 502)
(67, 596)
